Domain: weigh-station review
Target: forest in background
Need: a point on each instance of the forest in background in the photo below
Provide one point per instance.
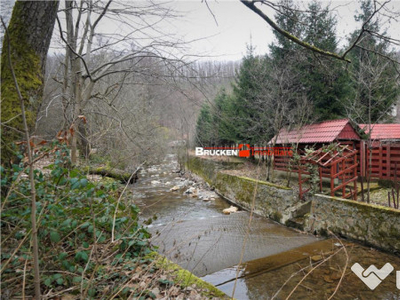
(125, 95)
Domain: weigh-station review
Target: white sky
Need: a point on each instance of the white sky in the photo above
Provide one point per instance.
(237, 25)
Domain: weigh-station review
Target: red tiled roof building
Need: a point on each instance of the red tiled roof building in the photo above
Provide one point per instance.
(321, 133)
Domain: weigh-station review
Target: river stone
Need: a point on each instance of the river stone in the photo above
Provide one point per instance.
(190, 190)
(230, 210)
(316, 257)
(174, 188)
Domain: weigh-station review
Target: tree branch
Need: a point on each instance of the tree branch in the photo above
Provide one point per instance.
(363, 29)
(251, 6)
(72, 50)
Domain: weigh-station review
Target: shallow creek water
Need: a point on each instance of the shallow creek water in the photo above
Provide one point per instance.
(275, 259)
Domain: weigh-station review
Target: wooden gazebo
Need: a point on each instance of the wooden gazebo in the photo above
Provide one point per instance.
(315, 136)
(339, 166)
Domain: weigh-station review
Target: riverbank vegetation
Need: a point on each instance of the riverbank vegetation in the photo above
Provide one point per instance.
(84, 231)
(90, 242)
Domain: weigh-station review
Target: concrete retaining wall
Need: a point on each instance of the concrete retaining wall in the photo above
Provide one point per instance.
(273, 201)
(208, 169)
(373, 225)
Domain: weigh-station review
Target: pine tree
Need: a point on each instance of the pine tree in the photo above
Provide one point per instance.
(222, 116)
(322, 79)
(248, 98)
(204, 129)
(291, 20)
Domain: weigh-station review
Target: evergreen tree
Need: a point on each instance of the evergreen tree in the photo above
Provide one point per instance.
(222, 116)
(204, 130)
(321, 78)
(291, 20)
(215, 126)
(325, 79)
(249, 92)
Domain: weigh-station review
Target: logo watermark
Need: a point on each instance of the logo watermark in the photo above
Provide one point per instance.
(215, 151)
(244, 150)
(398, 279)
(372, 276)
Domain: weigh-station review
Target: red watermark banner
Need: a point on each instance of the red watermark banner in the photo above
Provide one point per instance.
(244, 150)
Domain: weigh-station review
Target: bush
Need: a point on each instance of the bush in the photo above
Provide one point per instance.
(75, 219)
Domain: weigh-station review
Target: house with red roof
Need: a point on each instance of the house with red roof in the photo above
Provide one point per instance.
(382, 132)
(316, 136)
(383, 157)
(335, 165)
(327, 132)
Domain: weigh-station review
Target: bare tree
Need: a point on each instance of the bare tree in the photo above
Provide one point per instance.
(92, 56)
(369, 104)
(280, 100)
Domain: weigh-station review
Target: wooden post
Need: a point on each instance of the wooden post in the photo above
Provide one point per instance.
(388, 169)
(320, 178)
(380, 162)
(343, 179)
(355, 175)
(362, 158)
(333, 166)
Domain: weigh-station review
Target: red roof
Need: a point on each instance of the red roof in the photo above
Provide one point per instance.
(383, 131)
(325, 132)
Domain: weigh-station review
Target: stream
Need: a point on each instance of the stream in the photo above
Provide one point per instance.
(195, 234)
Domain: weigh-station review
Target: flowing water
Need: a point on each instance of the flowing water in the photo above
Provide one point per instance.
(275, 259)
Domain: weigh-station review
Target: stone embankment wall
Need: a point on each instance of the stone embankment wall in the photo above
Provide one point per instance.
(371, 224)
(271, 201)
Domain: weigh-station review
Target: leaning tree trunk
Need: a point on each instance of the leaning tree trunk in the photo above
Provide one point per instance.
(29, 32)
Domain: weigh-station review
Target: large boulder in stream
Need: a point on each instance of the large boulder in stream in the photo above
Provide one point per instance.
(230, 210)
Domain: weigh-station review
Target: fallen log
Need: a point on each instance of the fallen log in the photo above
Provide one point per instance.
(122, 176)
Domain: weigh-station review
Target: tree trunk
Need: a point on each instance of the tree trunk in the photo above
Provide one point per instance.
(30, 30)
(23, 62)
(120, 175)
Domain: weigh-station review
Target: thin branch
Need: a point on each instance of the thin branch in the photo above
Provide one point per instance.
(119, 200)
(72, 50)
(209, 9)
(251, 6)
(363, 29)
(378, 53)
(101, 15)
(344, 269)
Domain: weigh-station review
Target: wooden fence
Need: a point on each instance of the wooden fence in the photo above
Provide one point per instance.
(381, 160)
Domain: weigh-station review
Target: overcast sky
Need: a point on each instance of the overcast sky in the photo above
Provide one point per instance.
(237, 25)
(226, 36)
